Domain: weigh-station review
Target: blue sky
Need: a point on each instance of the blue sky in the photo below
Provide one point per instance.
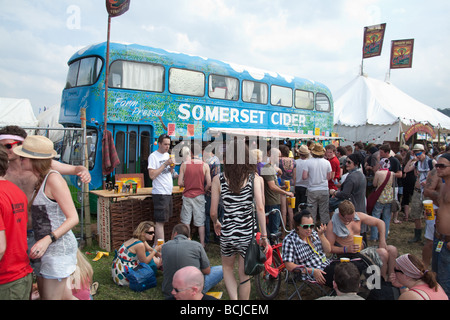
(315, 39)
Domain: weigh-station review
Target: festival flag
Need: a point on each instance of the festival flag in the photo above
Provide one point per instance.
(373, 40)
(116, 8)
(402, 53)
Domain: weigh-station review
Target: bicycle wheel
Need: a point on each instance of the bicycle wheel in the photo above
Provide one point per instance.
(268, 286)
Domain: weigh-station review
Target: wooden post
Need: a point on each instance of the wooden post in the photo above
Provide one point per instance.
(87, 209)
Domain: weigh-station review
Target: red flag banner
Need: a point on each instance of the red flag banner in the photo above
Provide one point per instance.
(373, 40)
(402, 53)
(116, 8)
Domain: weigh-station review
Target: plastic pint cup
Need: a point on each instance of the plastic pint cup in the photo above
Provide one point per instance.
(160, 241)
(345, 259)
(293, 202)
(358, 240)
(428, 208)
(172, 156)
(287, 184)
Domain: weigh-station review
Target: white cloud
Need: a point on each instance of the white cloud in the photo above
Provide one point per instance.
(319, 40)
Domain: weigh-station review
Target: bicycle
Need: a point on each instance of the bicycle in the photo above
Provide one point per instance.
(268, 285)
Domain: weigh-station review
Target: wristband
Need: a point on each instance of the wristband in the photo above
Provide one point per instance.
(52, 236)
(345, 249)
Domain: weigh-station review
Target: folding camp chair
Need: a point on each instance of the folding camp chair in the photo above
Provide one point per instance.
(295, 278)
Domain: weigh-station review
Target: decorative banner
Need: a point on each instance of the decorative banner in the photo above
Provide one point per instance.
(402, 53)
(419, 127)
(171, 127)
(116, 8)
(373, 40)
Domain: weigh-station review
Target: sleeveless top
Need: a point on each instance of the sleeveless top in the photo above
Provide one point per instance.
(238, 219)
(194, 180)
(60, 259)
(123, 258)
(287, 166)
(433, 295)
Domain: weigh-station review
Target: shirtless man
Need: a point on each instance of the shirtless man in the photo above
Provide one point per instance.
(431, 190)
(347, 223)
(441, 247)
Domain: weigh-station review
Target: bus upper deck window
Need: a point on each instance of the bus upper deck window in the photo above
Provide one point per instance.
(322, 103)
(255, 92)
(281, 96)
(83, 72)
(188, 82)
(221, 87)
(136, 76)
(304, 100)
(72, 75)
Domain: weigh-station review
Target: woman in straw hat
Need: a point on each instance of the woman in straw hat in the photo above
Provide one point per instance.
(53, 216)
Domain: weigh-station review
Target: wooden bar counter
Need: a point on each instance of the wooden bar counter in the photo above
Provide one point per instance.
(118, 215)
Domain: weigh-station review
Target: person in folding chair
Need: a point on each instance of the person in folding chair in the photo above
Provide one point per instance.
(346, 224)
(304, 251)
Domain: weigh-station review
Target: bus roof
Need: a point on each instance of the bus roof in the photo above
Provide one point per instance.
(136, 52)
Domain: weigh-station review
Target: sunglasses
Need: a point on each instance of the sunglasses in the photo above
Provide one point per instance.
(441, 166)
(307, 226)
(348, 162)
(398, 270)
(10, 145)
(150, 232)
(418, 153)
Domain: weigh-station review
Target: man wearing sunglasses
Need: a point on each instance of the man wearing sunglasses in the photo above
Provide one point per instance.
(441, 245)
(422, 166)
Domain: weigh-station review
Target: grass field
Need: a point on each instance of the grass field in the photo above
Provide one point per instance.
(398, 236)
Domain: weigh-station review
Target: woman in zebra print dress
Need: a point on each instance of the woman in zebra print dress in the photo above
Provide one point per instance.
(236, 186)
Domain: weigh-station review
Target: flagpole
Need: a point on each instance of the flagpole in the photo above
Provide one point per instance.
(107, 73)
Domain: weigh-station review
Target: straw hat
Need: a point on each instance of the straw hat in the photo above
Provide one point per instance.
(303, 150)
(318, 150)
(418, 147)
(36, 147)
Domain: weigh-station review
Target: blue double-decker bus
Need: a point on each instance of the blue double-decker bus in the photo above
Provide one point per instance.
(151, 89)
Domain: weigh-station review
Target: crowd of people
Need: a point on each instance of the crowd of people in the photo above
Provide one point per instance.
(348, 191)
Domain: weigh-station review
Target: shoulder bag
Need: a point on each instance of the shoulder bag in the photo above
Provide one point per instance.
(254, 256)
(373, 197)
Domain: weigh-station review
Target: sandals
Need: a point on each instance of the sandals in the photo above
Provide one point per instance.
(94, 288)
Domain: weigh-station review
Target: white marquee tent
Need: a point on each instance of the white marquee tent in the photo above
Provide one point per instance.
(371, 110)
(17, 112)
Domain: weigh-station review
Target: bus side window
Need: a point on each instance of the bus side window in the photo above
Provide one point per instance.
(304, 100)
(255, 92)
(221, 87)
(322, 103)
(187, 82)
(136, 76)
(281, 96)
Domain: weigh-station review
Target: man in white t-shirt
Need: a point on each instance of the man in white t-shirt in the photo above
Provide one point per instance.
(318, 172)
(160, 171)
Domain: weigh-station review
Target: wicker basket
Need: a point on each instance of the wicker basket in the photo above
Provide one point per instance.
(127, 214)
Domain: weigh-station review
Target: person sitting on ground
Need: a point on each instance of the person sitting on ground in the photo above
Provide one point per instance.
(345, 283)
(410, 272)
(307, 248)
(346, 224)
(181, 252)
(136, 250)
(188, 283)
